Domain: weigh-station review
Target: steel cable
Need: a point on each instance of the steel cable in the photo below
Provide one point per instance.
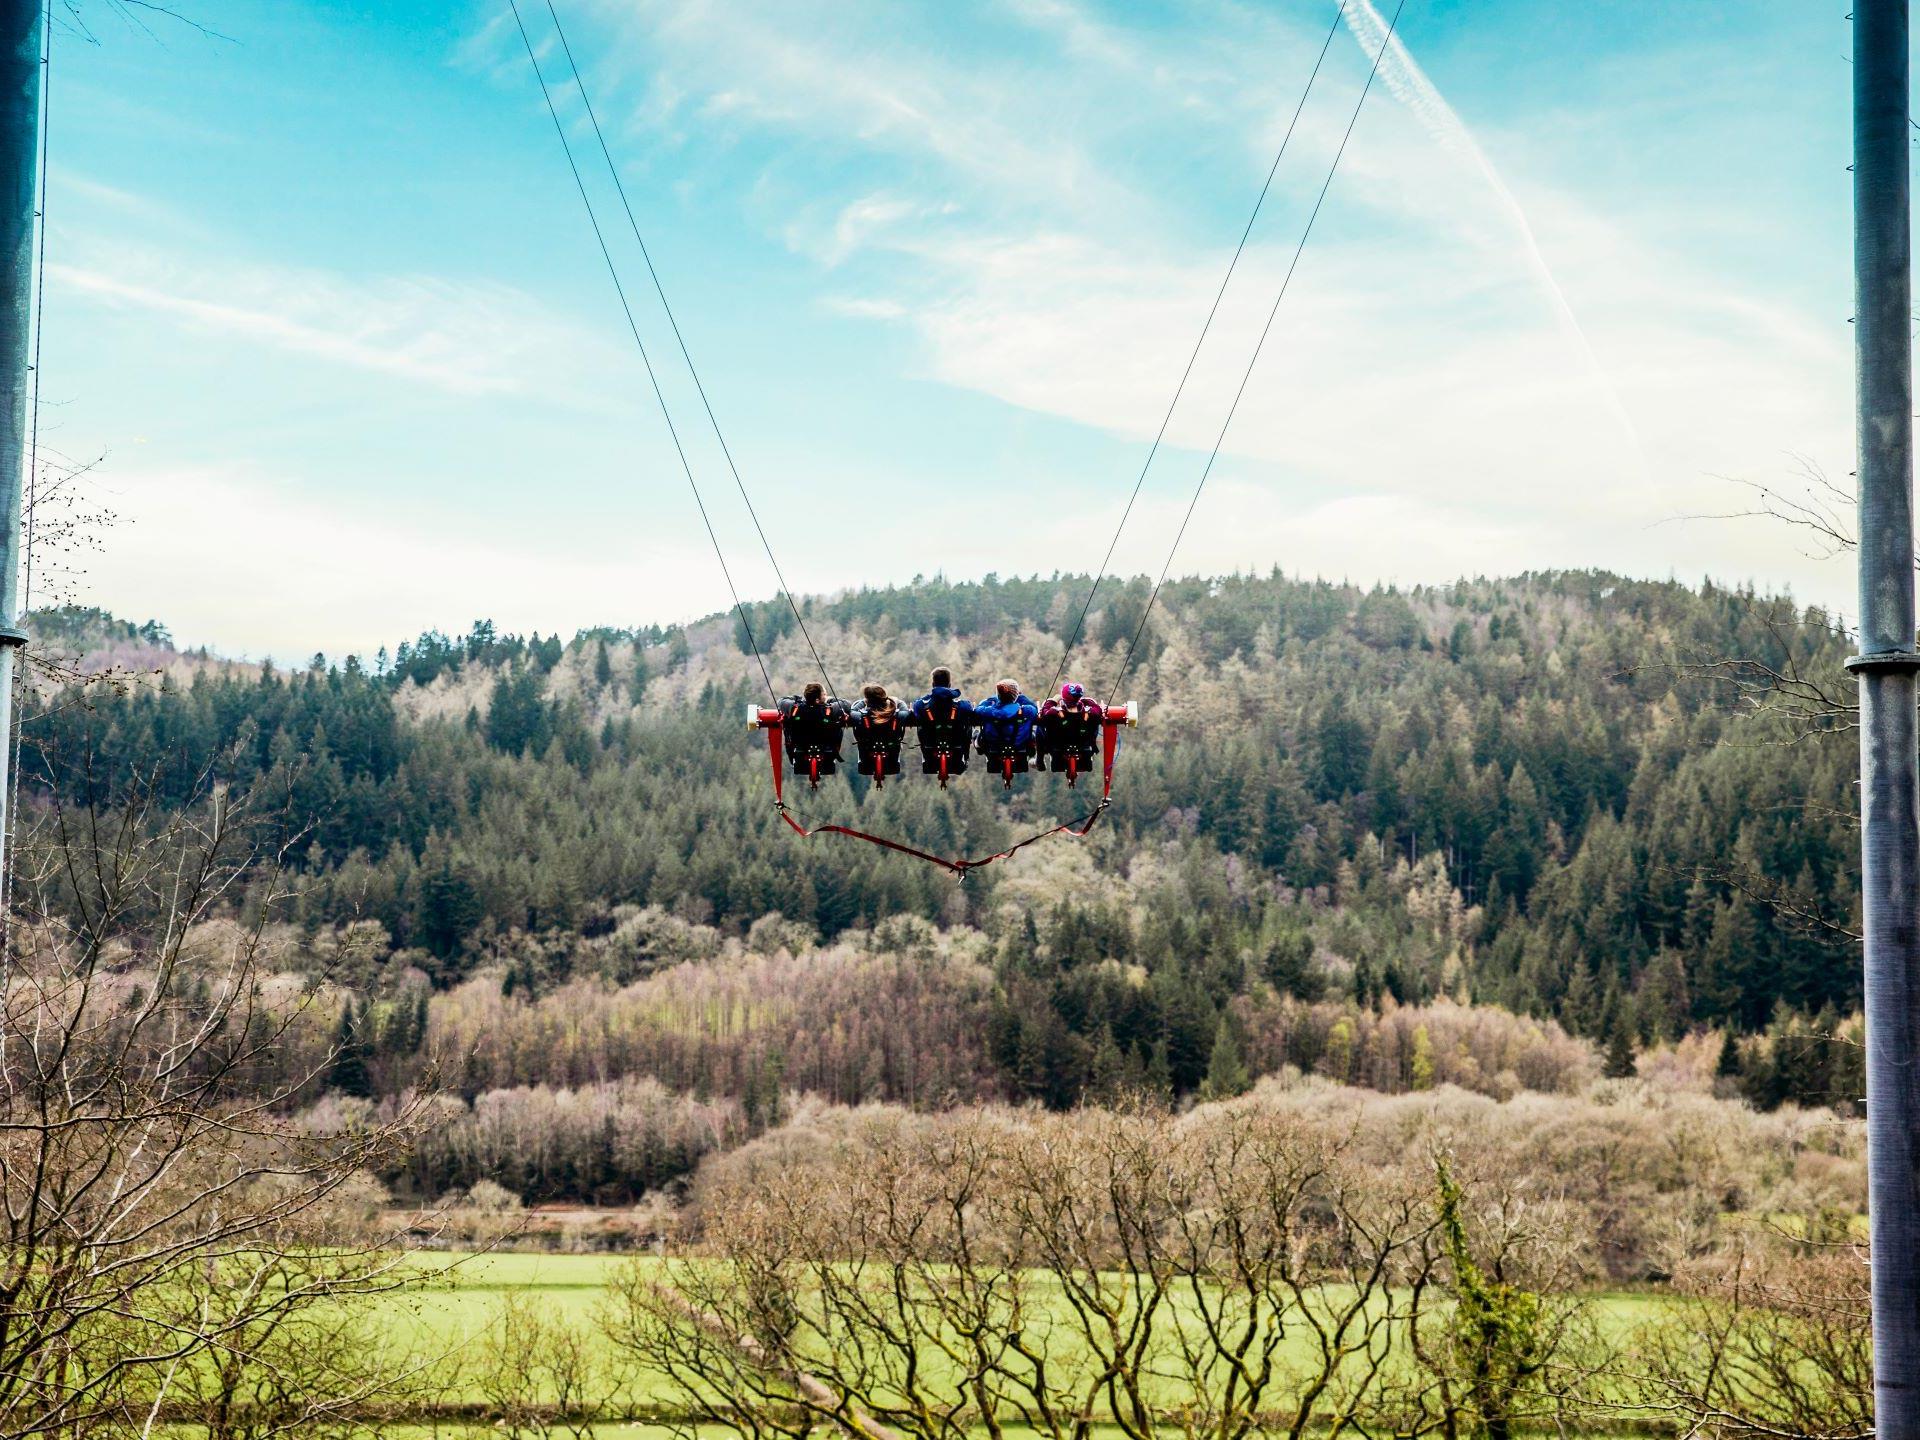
(1080, 624)
(613, 273)
(633, 224)
(1253, 360)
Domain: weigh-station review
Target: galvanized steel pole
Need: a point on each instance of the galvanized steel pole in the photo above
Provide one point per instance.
(20, 53)
(1889, 744)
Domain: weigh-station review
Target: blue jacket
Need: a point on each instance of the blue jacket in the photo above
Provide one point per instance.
(1006, 724)
(923, 707)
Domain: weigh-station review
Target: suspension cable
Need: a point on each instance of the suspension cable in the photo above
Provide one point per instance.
(613, 273)
(1253, 360)
(613, 171)
(1339, 14)
(21, 687)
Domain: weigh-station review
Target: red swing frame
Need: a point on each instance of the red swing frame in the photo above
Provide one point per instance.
(1113, 717)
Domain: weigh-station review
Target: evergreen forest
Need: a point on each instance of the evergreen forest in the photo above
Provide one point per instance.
(1590, 802)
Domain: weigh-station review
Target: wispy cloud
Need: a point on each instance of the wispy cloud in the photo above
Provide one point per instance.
(1454, 331)
(459, 337)
(433, 358)
(875, 82)
(1413, 89)
(1030, 201)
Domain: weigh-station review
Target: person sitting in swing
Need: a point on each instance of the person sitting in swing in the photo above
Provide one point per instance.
(1006, 726)
(812, 724)
(879, 724)
(1070, 730)
(946, 721)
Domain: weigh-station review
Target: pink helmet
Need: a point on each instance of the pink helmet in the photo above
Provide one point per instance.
(1071, 693)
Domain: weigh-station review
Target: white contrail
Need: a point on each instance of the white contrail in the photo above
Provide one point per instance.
(1402, 75)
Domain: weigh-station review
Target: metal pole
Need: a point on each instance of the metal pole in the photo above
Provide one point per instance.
(20, 52)
(1889, 744)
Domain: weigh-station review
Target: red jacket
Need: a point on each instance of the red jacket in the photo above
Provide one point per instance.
(1086, 709)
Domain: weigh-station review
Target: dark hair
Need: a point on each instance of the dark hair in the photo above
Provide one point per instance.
(876, 695)
(814, 693)
(942, 675)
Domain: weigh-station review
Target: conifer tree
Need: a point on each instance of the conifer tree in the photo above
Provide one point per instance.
(1620, 1063)
(348, 1074)
(1159, 1080)
(1227, 1066)
(417, 1030)
(1288, 965)
(1107, 1081)
(1727, 1067)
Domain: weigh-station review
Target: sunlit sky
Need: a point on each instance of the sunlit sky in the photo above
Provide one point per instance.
(323, 300)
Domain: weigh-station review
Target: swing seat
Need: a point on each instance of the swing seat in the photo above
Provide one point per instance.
(804, 762)
(944, 753)
(955, 756)
(1086, 755)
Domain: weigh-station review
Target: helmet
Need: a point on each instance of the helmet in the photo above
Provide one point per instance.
(1071, 692)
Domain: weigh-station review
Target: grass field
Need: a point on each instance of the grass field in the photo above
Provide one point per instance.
(461, 1297)
(462, 1292)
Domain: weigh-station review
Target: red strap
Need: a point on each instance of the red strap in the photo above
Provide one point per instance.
(1078, 829)
(779, 776)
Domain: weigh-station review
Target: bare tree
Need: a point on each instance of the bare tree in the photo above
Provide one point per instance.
(297, 1343)
(1295, 1263)
(1793, 676)
(1816, 507)
(808, 1304)
(1214, 1276)
(1772, 1338)
(1501, 1337)
(1794, 679)
(1089, 1204)
(540, 1374)
(158, 1205)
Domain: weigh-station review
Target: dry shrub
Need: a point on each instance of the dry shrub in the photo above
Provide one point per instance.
(1653, 1172)
(843, 1022)
(1143, 1268)
(1771, 1336)
(1475, 1047)
(1689, 1063)
(605, 1143)
(890, 1274)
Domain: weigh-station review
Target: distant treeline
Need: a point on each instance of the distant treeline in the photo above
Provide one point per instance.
(1541, 792)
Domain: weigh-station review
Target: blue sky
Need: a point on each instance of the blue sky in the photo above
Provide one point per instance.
(323, 299)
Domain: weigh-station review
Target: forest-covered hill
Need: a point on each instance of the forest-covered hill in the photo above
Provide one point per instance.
(1526, 792)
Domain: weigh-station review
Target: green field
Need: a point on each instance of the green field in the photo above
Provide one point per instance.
(462, 1292)
(461, 1296)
